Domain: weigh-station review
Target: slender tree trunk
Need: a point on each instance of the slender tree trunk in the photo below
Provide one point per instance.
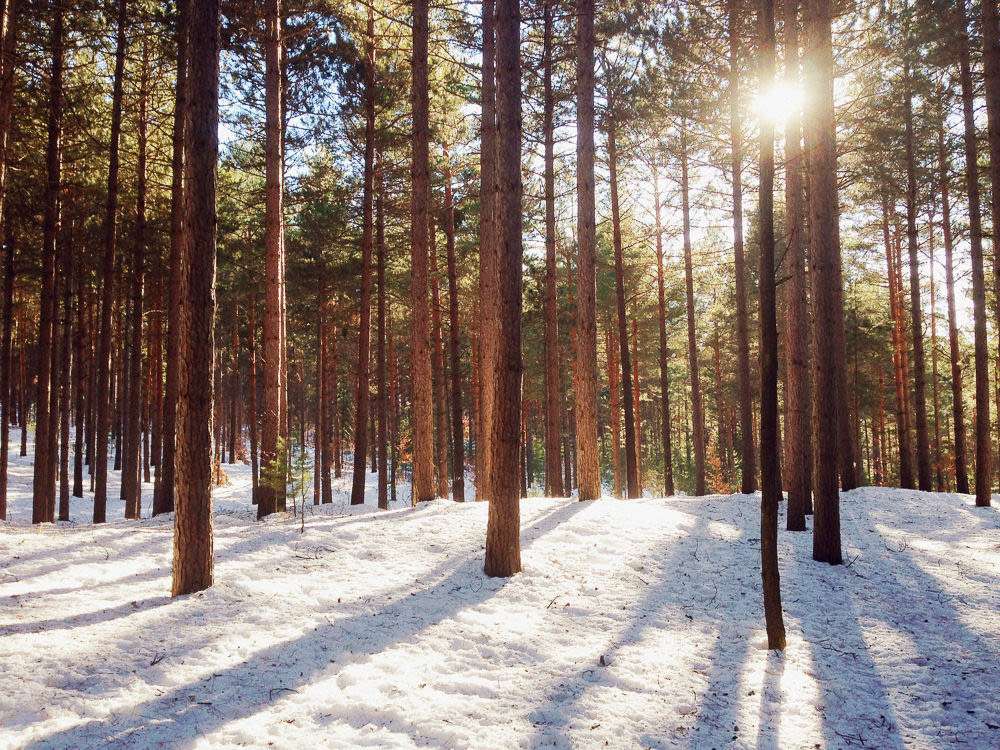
(163, 497)
(614, 397)
(982, 421)
(668, 470)
(420, 210)
(380, 367)
(503, 545)
(252, 388)
(585, 335)
(553, 396)
(798, 365)
(919, 369)
(131, 486)
(43, 490)
(438, 373)
(770, 451)
(6, 360)
(991, 71)
(898, 356)
(631, 464)
(820, 143)
(367, 243)
(957, 402)
(193, 520)
(636, 405)
(936, 403)
(64, 374)
(458, 436)
(748, 465)
(331, 447)
(697, 414)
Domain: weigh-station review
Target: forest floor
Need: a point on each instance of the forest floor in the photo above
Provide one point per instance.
(634, 624)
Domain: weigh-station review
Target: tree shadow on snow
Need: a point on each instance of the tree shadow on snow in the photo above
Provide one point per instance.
(269, 675)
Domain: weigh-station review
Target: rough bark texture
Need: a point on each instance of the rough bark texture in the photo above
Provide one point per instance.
(503, 530)
(192, 569)
(798, 394)
(420, 206)
(991, 71)
(820, 142)
(438, 373)
(697, 413)
(271, 492)
(380, 366)
(615, 411)
(983, 448)
(748, 462)
(770, 451)
(898, 357)
(585, 335)
(621, 340)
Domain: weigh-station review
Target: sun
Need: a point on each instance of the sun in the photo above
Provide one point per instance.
(778, 102)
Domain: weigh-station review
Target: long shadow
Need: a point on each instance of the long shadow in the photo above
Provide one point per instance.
(854, 708)
(950, 682)
(86, 619)
(269, 674)
(560, 706)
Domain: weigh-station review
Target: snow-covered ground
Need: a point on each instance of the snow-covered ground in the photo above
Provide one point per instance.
(634, 624)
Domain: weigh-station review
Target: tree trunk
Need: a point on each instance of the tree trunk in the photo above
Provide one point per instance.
(458, 438)
(935, 400)
(898, 357)
(919, 369)
(982, 423)
(770, 451)
(438, 373)
(420, 209)
(668, 470)
(553, 396)
(331, 448)
(748, 463)
(503, 545)
(273, 450)
(693, 374)
(615, 416)
(380, 367)
(991, 71)
(636, 406)
(64, 374)
(367, 242)
(798, 396)
(957, 404)
(193, 520)
(6, 360)
(820, 143)
(163, 496)
(585, 335)
(631, 464)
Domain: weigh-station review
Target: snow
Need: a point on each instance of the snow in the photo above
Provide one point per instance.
(634, 624)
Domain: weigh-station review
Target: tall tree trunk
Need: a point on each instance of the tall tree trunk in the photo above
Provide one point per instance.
(935, 400)
(631, 463)
(331, 447)
(6, 393)
(615, 414)
(438, 373)
(380, 367)
(585, 335)
(991, 71)
(131, 485)
(957, 403)
(636, 405)
(66, 261)
(917, 325)
(798, 365)
(458, 438)
(553, 395)
(163, 496)
(748, 463)
(982, 423)
(420, 210)
(43, 489)
(367, 243)
(252, 388)
(668, 470)
(273, 450)
(503, 544)
(193, 519)
(697, 414)
(898, 357)
(770, 451)
(820, 143)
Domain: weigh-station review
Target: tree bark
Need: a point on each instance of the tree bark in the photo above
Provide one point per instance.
(748, 463)
(193, 543)
(503, 545)
(438, 373)
(367, 243)
(668, 470)
(824, 245)
(898, 356)
(380, 367)
(982, 423)
(6, 360)
(458, 437)
(585, 335)
(770, 451)
(420, 207)
(697, 415)
(615, 413)
(798, 397)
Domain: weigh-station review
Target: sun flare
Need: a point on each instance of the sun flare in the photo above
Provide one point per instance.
(779, 102)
